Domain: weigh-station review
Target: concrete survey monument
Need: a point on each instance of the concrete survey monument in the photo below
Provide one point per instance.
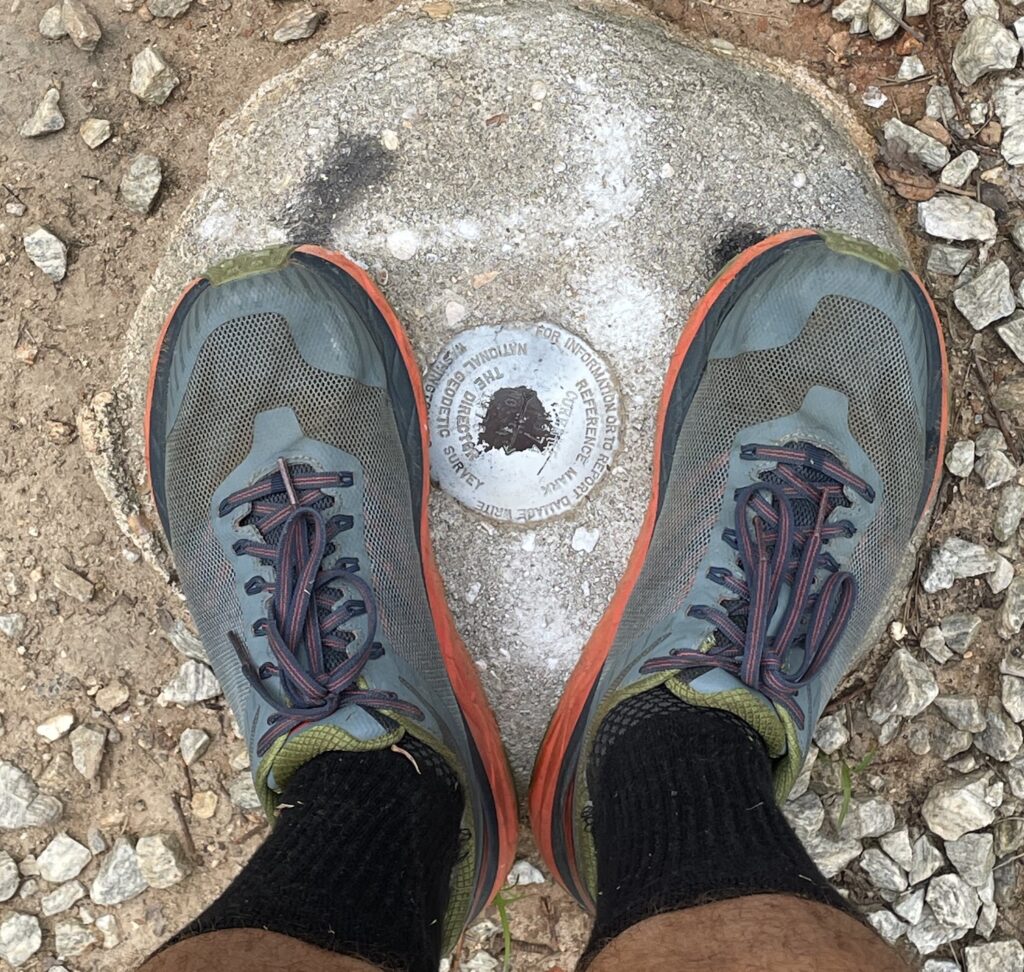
(543, 190)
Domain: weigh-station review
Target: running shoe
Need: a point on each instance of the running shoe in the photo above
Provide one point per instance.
(797, 453)
(287, 450)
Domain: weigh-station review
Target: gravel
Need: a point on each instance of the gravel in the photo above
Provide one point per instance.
(910, 906)
(10, 877)
(1009, 105)
(866, 817)
(72, 938)
(805, 814)
(882, 871)
(51, 24)
(298, 24)
(88, 743)
(957, 218)
(986, 45)
(162, 860)
(911, 68)
(61, 899)
(194, 682)
(953, 901)
(947, 260)
(926, 861)
(905, 687)
(12, 625)
(47, 252)
(987, 297)
(21, 803)
(995, 469)
(1012, 697)
(243, 793)
(886, 924)
(898, 846)
(959, 170)
(960, 806)
(962, 711)
(107, 927)
(1012, 333)
(1002, 737)
(832, 855)
(63, 859)
(47, 117)
(524, 873)
(956, 558)
(959, 631)
(882, 18)
(902, 138)
(930, 933)
(56, 727)
(168, 8)
(831, 734)
(995, 957)
(119, 878)
(1010, 618)
(854, 13)
(1009, 512)
(934, 643)
(81, 25)
(20, 938)
(111, 697)
(95, 131)
(141, 183)
(193, 744)
(152, 79)
(973, 856)
(70, 582)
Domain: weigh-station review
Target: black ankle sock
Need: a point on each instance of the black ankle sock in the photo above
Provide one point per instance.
(684, 814)
(359, 861)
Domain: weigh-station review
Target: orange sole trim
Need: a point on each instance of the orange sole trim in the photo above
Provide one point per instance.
(152, 373)
(461, 669)
(550, 758)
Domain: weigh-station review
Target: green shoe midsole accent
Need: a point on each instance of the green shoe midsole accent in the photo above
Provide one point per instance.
(246, 264)
(839, 243)
(760, 714)
(289, 753)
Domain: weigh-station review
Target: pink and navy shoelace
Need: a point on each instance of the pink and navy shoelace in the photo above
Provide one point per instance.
(316, 661)
(780, 537)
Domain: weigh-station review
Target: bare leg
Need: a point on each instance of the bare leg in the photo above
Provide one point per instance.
(250, 950)
(760, 933)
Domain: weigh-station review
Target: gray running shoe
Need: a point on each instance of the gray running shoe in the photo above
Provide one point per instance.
(287, 451)
(798, 450)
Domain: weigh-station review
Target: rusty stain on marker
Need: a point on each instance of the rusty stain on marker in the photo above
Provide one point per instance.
(516, 420)
(524, 420)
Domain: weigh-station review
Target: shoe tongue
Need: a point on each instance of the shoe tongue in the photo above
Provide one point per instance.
(299, 747)
(721, 690)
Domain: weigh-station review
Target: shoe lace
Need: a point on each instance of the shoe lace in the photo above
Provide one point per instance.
(780, 537)
(317, 662)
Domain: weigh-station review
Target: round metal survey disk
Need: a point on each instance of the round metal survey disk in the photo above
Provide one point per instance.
(524, 420)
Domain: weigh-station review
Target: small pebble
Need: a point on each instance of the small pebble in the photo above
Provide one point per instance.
(298, 24)
(47, 252)
(47, 117)
(95, 131)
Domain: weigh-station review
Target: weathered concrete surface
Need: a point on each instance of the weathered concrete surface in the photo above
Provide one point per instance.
(601, 166)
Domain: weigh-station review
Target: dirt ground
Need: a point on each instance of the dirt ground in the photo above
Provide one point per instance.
(58, 347)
